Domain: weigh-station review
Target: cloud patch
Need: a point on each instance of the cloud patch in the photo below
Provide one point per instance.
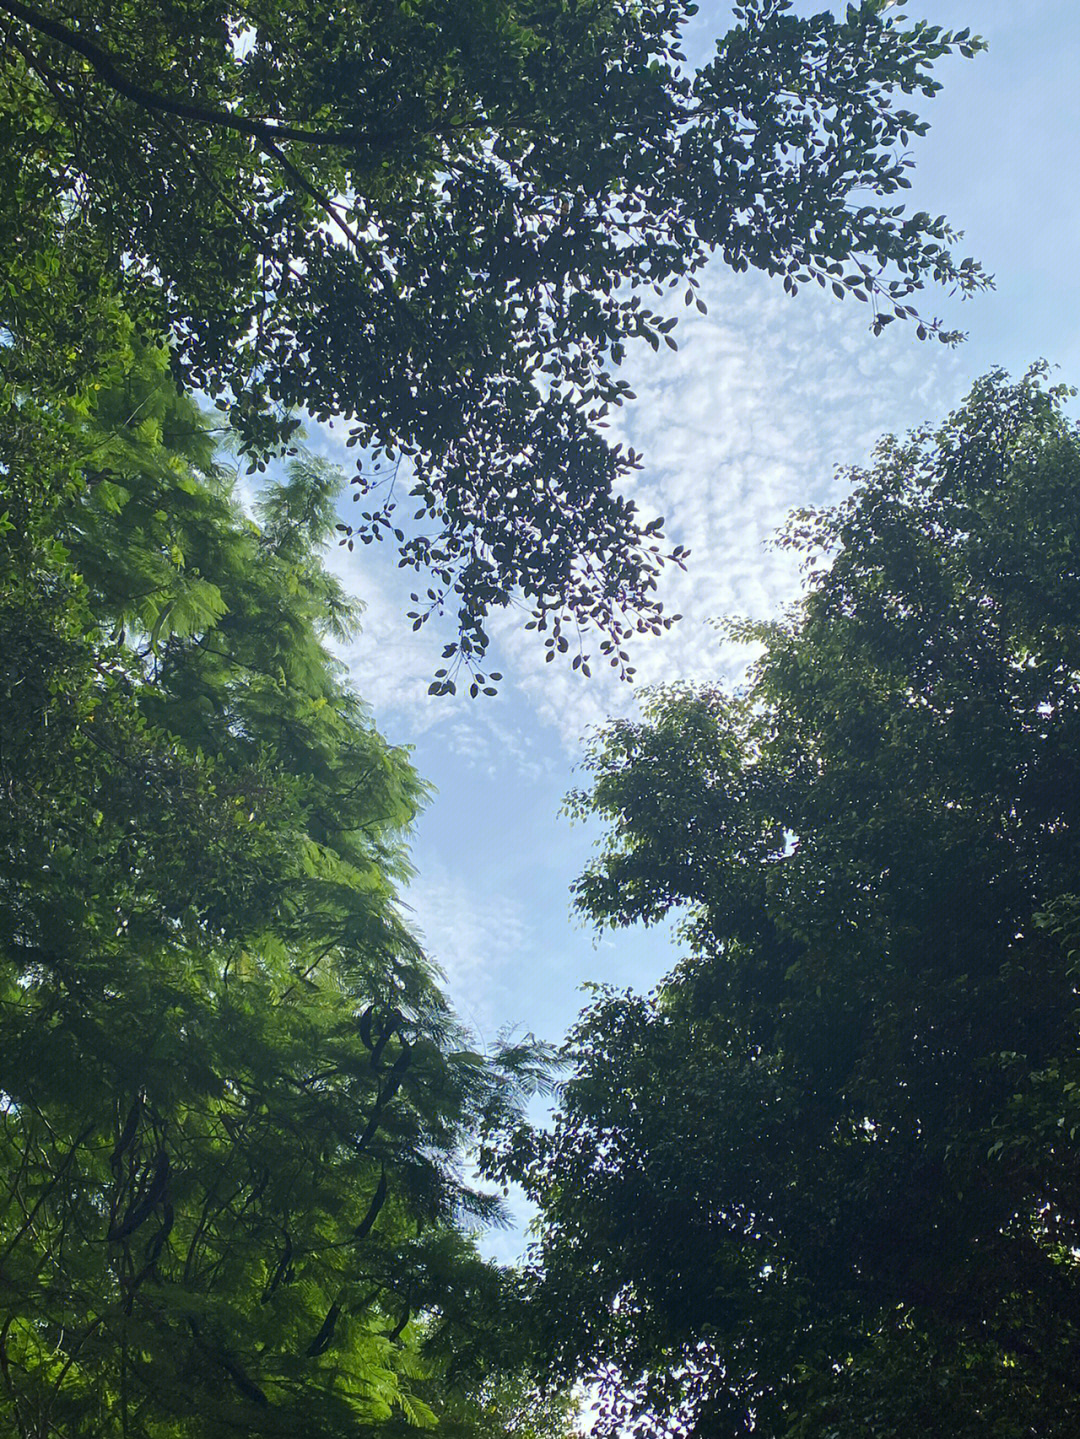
(765, 397)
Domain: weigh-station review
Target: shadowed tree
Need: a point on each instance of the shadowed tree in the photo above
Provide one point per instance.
(826, 1179)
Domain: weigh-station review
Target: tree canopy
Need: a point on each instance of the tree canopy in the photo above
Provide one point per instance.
(234, 1101)
(825, 1180)
(437, 219)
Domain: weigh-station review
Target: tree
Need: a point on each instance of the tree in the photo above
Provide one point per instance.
(826, 1180)
(233, 1099)
(436, 220)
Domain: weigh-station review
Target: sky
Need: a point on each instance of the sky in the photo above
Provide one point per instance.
(766, 403)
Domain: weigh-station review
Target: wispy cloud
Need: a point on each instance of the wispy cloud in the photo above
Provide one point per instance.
(765, 396)
(749, 419)
(476, 940)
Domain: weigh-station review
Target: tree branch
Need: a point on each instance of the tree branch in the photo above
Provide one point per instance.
(265, 131)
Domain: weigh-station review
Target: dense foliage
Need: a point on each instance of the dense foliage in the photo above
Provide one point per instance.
(233, 1100)
(826, 1180)
(436, 219)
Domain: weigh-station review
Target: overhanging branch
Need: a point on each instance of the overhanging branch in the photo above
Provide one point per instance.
(267, 132)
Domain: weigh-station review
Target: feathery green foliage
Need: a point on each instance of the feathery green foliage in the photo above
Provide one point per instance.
(234, 1100)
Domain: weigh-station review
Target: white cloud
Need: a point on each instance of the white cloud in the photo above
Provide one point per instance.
(764, 398)
(476, 941)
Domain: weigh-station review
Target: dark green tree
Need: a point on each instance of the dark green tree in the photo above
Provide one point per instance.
(826, 1179)
(437, 219)
(233, 1100)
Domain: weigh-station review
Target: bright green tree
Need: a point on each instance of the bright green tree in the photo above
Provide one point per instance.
(437, 219)
(233, 1100)
(826, 1179)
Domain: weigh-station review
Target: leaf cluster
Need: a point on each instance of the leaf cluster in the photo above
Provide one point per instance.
(438, 219)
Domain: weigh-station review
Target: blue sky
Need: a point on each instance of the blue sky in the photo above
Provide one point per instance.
(765, 398)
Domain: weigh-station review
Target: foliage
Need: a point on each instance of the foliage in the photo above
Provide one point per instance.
(826, 1179)
(436, 218)
(233, 1100)
(506, 1405)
